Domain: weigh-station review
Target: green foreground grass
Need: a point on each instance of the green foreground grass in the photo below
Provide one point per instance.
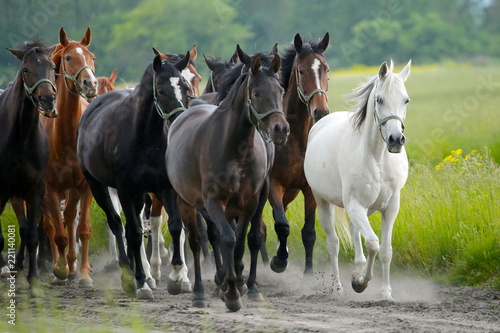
(449, 221)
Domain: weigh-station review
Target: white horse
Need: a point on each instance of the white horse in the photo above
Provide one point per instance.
(357, 161)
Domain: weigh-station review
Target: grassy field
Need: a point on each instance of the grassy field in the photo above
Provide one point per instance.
(449, 222)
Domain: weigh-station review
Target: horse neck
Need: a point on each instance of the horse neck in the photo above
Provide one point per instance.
(70, 109)
(239, 128)
(148, 123)
(296, 112)
(23, 112)
(372, 138)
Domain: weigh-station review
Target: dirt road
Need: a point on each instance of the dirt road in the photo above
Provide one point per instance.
(291, 304)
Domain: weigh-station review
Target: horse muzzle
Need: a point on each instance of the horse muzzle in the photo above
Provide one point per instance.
(47, 107)
(279, 133)
(395, 143)
(320, 113)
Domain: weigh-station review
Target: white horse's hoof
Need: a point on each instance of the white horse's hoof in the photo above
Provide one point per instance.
(151, 283)
(174, 287)
(145, 292)
(358, 283)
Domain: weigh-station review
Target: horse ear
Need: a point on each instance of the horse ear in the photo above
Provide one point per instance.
(209, 63)
(405, 72)
(275, 65)
(382, 72)
(274, 50)
(162, 55)
(193, 53)
(183, 63)
(63, 38)
(234, 58)
(325, 42)
(113, 76)
(51, 49)
(157, 64)
(16, 53)
(244, 58)
(256, 64)
(86, 38)
(297, 43)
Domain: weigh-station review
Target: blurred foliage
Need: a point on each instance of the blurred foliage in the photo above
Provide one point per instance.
(362, 32)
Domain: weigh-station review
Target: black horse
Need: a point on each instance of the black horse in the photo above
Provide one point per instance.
(24, 147)
(217, 69)
(122, 139)
(217, 160)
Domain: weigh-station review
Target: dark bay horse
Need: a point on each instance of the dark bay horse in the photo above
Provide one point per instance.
(217, 160)
(76, 84)
(217, 69)
(304, 73)
(106, 84)
(122, 139)
(24, 147)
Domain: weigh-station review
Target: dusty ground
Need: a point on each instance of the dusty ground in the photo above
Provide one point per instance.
(291, 304)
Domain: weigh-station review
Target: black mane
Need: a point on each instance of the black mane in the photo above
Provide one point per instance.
(288, 57)
(229, 79)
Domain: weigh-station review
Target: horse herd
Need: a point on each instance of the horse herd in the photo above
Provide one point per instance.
(260, 131)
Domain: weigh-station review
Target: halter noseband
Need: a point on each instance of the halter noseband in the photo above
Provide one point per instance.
(307, 98)
(251, 110)
(30, 90)
(164, 115)
(73, 78)
(382, 121)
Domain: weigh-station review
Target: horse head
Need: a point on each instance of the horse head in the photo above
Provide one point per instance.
(106, 84)
(38, 76)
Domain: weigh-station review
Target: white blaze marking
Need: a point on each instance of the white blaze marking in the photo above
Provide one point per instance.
(174, 82)
(315, 68)
(188, 75)
(80, 52)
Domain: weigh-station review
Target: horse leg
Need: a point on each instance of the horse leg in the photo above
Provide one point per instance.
(189, 216)
(4, 269)
(309, 230)
(70, 212)
(326, 213)
(133, 232)
(58, 236)
(281, 226)
(84, 232)
(254, 244)
(44, 253)
(263, 237)
(147, 268)
(202, 229)
(228, 241)
(177, 281)
(364, 273)
(214, 238)
(33, 202)
(111, 236)
(388, 218)
(156, 222)
(19, 210)
(102, 197)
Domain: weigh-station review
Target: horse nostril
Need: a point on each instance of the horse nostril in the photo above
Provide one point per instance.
(277, 129)
(391, 140)
(402, 140)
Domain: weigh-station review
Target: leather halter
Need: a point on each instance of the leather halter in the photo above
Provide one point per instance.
(251, 110)
(164, 115)
(73, 78)
(307, 98)
(382, 121)
(30, 90)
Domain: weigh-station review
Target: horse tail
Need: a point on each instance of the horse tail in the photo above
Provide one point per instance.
(47, 210)
(342, 227)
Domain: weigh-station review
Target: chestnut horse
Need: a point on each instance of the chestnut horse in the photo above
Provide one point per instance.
(24, 149)
(64, 179)
(106, 84)
(305, 80)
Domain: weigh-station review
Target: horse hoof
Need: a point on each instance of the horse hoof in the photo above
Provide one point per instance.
(186, 287)
(58, 282)
(255, 296)
(36, 292)
(151, 283)
(199, 303)
(128, 283)
(357, 285)
(144, 293)
(174, 287)
(243, 289)
(277, 265)
(86, 283)
(233, 305)
(222, 295)
(217, 280)
(61, 275)
(72, 275)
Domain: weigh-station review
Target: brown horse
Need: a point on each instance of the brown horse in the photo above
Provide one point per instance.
(106, 84)
(64, 179)
(305, 80)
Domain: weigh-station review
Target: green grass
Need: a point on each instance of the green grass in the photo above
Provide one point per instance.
(448, 225)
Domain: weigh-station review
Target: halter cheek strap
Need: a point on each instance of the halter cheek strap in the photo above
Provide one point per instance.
(382, 121)
(212, 81)
(252, 111)
(30, 90)
(164, 115)
(307, 98)
(73, 79)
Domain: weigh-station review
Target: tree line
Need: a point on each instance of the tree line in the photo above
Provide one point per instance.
(362, 32)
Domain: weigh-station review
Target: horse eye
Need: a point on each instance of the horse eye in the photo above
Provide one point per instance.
(54, 68)
(380, 100)
(25, 70)
(93, 58)
(68, 58)
(301, 72)
(407, 101)
(255, 93)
